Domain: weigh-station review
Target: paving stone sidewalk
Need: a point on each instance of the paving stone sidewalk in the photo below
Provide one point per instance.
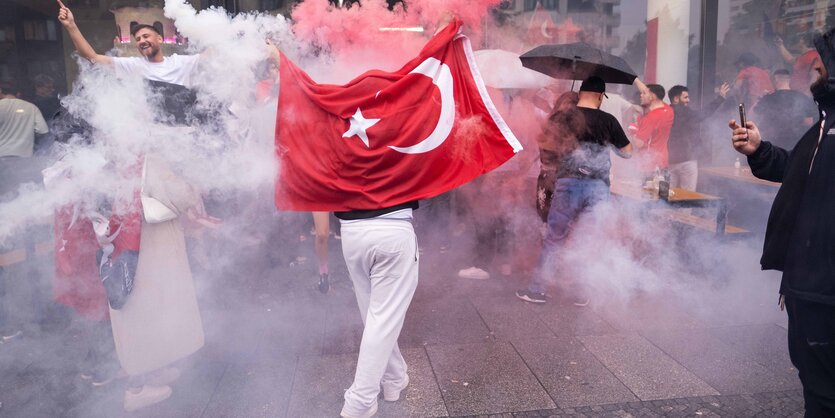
(278, 348)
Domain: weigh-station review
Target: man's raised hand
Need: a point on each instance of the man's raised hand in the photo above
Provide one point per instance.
(724, 89)
(65, 15)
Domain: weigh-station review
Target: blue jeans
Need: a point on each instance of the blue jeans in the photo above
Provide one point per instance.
(571, 198)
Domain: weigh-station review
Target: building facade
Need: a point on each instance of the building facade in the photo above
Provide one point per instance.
(599, 19)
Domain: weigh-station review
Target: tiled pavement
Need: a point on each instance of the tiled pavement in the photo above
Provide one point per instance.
(276, 347)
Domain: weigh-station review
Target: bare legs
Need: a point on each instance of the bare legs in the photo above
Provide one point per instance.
(322, 228)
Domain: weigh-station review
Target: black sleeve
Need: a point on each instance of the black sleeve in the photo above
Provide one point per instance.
(769, 162)
(711, 108)
(616, 134)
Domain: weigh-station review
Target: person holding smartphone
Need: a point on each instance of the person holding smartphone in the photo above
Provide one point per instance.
(800, 234)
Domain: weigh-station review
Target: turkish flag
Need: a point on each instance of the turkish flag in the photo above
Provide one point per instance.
(541, 29)
(387, 138)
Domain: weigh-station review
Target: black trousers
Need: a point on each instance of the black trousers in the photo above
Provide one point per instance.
(812, 351)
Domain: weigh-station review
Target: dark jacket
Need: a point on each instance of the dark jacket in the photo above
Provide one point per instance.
(800, 237)
(687, 141)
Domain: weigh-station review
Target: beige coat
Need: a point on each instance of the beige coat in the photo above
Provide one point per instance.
(160, 322)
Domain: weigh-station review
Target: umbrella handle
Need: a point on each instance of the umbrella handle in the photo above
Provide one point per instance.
(573, 72)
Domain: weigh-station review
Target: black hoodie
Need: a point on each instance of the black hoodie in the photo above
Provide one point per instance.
(800, 237)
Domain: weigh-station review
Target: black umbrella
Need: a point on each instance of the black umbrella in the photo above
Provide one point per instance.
(578, 61)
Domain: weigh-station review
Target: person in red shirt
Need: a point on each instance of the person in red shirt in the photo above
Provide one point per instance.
(652, 132)
(752, 81)
(803, 72)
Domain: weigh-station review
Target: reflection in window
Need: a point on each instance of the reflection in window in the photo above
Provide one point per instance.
(507, 5)
(547, 4)
(581, 6)
(7, 34)
(39, 30)
(271, 4)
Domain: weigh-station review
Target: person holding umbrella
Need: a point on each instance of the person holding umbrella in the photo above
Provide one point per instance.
(582, 179)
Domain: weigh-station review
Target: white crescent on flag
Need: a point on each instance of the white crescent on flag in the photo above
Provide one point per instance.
(442, 77)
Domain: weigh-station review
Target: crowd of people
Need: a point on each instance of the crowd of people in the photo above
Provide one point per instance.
(160, 324)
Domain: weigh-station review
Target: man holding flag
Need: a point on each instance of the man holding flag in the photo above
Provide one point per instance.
(386, 140)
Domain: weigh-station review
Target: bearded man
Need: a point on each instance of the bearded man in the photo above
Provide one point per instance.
(801, 232)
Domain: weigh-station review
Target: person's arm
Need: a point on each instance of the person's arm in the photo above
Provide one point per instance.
(711, 108)
(83, 47)
(767, 161)
(445, 20)
(40, 124)
(640, 85)
(624, 152)
(621, 144)
(274, 53)
(714, 105)
(784, 53)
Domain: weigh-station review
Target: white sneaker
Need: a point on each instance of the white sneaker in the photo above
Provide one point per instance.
(367, 414)
(473, 273)
(12, 335)
(392, 394)
(148, 396)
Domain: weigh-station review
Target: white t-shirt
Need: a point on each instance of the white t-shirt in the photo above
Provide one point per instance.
(19, 122)
(176, 69)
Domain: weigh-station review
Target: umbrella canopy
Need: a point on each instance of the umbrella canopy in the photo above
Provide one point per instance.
(502, 70)
(578, 61)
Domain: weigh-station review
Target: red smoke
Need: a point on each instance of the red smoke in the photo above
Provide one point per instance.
(353, 34)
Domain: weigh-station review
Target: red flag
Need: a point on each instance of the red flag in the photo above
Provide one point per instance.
(387, 138)
(567, 31)
(541, 29)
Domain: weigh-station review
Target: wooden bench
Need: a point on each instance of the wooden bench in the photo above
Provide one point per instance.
(19, 255)
(707, 225)
(679, 199)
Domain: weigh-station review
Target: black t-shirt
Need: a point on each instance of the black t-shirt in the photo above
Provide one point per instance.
(47, 105)
(684, 135)
(595, 134)
(780, 115)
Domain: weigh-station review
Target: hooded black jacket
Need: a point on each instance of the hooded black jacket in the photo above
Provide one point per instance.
(800, 237)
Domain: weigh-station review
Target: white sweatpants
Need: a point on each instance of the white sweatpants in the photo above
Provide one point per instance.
(382, 260)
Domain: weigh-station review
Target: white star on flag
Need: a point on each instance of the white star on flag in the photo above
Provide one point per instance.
(358, 126)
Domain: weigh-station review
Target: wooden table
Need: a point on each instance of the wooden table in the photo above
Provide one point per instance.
(680, 198)
(739, 174)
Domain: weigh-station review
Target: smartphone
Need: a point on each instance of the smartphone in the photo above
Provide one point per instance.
(742, 116)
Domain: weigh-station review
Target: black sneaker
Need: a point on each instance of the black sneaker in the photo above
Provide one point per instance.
(324, 283)
(532, 297)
